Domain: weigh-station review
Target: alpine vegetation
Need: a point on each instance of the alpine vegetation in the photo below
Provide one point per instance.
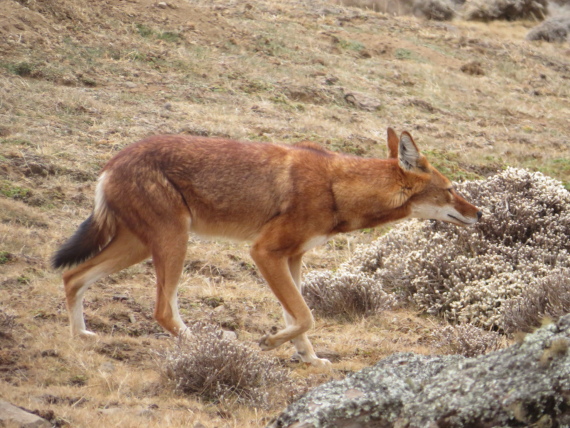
(505, 273)
(345, 295)
(225, 370)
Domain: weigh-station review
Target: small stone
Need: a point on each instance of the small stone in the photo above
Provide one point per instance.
(111, 411)
(146, 413)
(107, 367)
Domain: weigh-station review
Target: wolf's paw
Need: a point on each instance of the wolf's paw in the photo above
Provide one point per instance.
(84, 334)
(266, 344)
(314, 360)
(321, 363)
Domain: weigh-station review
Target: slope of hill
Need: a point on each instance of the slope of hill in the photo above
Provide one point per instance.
(79, 80)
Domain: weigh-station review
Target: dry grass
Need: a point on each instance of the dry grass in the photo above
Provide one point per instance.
(80, 80)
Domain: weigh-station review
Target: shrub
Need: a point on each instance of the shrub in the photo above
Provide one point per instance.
(467, 340)
(477, 274)
(554, 29)
(223, 370)
(7, 324)
(509, 10)
(345, 295)
(548, 298)
(437, 10)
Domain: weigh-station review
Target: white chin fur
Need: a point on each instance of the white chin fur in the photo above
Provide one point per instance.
(446, 214)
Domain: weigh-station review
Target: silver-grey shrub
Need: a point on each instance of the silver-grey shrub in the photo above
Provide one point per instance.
(554, 29)
(547, 298)
(467, 340)
(473, 275)
(509, 10)
(437, 10)
(345, 295)
(224, 370)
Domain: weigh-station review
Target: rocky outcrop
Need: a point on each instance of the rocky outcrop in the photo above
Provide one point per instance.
(525, 384)
(11, 415)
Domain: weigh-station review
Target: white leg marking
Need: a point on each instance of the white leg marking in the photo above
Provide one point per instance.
(76, 318)
(182, 328)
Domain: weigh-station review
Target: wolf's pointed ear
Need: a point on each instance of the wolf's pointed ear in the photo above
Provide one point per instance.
(408, 153)
(393, 142)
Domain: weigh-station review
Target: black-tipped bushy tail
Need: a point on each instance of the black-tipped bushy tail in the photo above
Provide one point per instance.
(84, 244)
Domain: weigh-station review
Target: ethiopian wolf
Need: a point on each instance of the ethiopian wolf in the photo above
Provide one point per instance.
(285, 199)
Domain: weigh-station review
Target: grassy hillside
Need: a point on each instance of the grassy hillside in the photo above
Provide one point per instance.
(79, 80)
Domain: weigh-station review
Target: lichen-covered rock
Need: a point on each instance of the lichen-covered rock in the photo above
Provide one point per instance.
(374, 394)
(11, 415)
(526, 384)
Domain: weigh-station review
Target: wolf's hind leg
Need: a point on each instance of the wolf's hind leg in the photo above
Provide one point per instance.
(168, 253)
(124, 250)
(302, 343)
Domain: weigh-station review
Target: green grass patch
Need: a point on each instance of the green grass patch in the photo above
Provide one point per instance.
(351, 45)
(23, 68)
(5, 257)
(448, 164)
(14, 192)
(558, 168)
(148, 33)
(408, 55)
(286, 103)
(15, 142)
(144, 30)
(169, 36)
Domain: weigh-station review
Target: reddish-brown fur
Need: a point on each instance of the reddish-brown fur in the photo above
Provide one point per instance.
(283, 198)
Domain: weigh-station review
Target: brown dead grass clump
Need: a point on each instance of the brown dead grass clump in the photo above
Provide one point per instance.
(224, 370)
(473, 68)
(7, 323)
